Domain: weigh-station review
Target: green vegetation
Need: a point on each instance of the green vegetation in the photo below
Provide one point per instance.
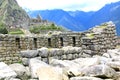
(16, 32)
(3, 29)
(91, 35)
(102, 26)
(37, 29)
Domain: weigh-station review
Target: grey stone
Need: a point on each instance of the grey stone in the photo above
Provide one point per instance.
(55, 52)
(20, 70)
(50, 73)
(34, 65)
(88, 52)
(69, 57)
(68, 50)
(85, 78)
(69, 67)
(12, 79)
(99, 71)
(29, 53)
(43, 52)
(6, 71)
(87, 62)
(33, 79)
(117, 76)
(114, 65)
(25, 61)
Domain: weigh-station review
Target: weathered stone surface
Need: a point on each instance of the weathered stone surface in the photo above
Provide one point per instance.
(99, 71)
(12, 79)
(6, 71)
(84, 55)
(85, 78)
(75, 50)
(29, 53)
(117, 76)
(28, 71)
(88, 52)
(114, 65)
(113, 53)
(86, 62)
(103, 60)
(25, 61)
(68, 50)
(43, 52)
(34, 65)
(32, 79)
(20, 70)
(69, 67)
(55, 52)
(50, 73)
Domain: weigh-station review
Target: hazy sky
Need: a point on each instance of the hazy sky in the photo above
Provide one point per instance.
(85, 5)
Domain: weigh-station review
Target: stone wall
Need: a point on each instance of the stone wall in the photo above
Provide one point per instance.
(95, 41)
(9, 49)
(100, 38)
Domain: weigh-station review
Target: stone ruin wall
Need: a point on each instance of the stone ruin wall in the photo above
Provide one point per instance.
(100, 38)
(94, 43)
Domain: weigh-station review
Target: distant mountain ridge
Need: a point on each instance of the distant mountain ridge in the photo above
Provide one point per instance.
(60, 17)
(80, 20)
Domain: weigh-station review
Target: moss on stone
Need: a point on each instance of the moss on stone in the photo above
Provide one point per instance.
(90, 35)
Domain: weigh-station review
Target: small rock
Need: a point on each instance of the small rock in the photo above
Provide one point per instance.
(25, 61)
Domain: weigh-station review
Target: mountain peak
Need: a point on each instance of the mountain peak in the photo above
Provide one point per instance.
(13, 14)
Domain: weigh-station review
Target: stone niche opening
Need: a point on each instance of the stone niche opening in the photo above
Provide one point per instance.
(74, 41)
(61, 41)
(49, 42)
(35, 42)
(17, 40)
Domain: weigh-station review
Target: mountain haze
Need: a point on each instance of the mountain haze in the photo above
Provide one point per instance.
(60, 17)
(80, 20)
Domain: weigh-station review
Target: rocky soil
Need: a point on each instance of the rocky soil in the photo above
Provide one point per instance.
(105, 67)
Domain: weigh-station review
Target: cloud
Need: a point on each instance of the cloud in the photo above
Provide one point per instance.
(85, 5)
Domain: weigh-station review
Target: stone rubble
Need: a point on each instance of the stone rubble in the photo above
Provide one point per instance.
(83, 68)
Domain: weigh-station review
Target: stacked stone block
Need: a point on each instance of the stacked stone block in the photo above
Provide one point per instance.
(100, 38)
(9, 49)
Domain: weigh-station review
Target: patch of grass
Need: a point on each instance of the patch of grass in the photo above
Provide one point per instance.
(16, 32)
(38, 28)
(91, 35)
(102, 26)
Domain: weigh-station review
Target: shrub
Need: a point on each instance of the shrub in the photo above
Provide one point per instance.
(3, 29)
(37, 29)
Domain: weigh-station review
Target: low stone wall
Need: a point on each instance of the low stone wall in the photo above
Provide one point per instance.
(94, 41)
(47, 54)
